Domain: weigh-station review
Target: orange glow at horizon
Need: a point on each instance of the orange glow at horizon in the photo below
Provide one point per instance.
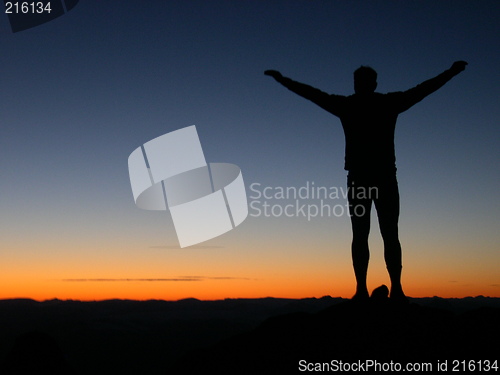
(218, 289)
(291, 270)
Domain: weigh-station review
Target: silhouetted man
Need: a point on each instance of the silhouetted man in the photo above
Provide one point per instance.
(369, 120)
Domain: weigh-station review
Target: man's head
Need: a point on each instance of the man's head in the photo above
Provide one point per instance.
(365, 80)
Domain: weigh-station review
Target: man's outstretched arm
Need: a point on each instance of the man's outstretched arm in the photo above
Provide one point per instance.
(417, 93)
(324, 100)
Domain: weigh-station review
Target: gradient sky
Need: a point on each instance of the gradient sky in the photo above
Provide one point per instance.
(80, 93)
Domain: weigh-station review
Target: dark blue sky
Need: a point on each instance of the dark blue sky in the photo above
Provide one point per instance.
(80, 93)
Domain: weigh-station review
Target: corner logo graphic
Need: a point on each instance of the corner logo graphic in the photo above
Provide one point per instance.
(205, 200)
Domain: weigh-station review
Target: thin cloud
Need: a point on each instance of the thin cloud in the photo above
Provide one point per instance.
(119, 280)
(217, 277)
(176, 247)
(176, 279)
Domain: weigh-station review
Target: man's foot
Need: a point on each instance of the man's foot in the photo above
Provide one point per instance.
(398, 296)
(361, 295)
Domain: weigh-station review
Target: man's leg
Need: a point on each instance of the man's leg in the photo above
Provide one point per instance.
(387, 205)
(359, 210)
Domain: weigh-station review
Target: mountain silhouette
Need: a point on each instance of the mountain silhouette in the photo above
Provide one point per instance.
(238, 336)
(352, 331)
(36, 353)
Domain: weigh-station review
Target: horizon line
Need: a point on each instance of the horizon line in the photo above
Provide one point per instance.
(220, 299)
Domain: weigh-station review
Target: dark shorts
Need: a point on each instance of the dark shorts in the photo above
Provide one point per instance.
(382, 190)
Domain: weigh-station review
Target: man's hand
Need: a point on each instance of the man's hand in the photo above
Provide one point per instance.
(458, 66)
(273, 73)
